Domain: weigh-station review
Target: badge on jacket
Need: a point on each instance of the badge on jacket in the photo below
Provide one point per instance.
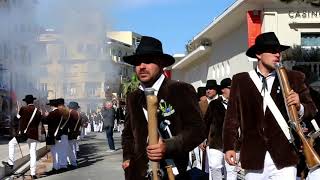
(165, 108)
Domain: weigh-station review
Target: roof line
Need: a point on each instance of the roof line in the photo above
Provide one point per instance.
(219, 18)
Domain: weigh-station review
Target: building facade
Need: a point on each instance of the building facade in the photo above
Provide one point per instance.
(18, 51)
(86, 71)
(218, 51)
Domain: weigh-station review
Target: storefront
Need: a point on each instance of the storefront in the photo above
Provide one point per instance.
(219, 49)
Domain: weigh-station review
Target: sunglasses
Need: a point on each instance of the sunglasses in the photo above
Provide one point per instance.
(145, 61)
(272, 50)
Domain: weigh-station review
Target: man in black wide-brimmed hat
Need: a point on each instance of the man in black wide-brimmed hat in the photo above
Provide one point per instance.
(29, 118)
(214, 119)
(211, 92)
(178, 105)
(255, 96)
(53, 120)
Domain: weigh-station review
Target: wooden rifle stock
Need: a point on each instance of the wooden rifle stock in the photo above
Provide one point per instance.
(312, 158)
(170, 173)
(152, 106)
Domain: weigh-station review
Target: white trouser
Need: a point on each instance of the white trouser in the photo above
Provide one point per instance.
(88, 128)
(314, 174)
(83, 132)
(62, 149)
(270, 171)
(232, 171)
(95, 127)
(198, 154)
(54, 154)
(33, 155)
(32, 150)
(190, 161)
(77, 145)
(100, 127)
(12, 143)
(198, 158)
(72, 153)
(217, 164)
(120, 127)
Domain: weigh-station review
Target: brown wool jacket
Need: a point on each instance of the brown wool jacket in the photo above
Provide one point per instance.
(259, 132)
(214, 119)
(53, 120)
(26, 113)
(203, 107)
(186, 127)
(74, 131)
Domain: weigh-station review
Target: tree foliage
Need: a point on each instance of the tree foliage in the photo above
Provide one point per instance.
(130, 85)
(299, 54)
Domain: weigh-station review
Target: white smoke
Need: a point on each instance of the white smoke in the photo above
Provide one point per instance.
(82, 27)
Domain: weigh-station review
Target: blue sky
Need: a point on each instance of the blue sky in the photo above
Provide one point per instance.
(174, 22)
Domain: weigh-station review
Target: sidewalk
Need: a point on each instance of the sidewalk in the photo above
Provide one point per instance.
(19, 161)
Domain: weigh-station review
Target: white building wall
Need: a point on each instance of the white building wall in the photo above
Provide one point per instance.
(227, 55)
(288, 25)
(226, 58)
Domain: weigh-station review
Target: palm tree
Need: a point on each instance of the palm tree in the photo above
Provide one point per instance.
(312, 2)
(130, 85)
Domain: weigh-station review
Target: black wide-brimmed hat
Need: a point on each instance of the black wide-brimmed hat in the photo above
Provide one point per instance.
(201, 91)
(29, 98)
(212, 84)
(73, 105)
(265, 41)
(52, 102)
(60, 101)
(225, 83)
(149, 51)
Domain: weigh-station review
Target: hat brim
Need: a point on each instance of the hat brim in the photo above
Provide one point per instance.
(164, 60)
(251, 52)
(213, 87)
(29, 99)
(74, 107)
(222, 87)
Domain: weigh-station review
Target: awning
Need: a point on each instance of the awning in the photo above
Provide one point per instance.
(194, 55)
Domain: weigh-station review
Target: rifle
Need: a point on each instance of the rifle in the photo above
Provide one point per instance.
(312, 158)
(152, 106)
(20, 149)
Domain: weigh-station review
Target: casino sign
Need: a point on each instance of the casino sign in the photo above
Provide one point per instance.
(304, 14)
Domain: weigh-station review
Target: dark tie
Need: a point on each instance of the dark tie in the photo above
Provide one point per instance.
(264, 82)
(225, 102)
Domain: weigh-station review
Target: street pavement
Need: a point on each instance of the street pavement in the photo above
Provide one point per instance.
(94, 162)
(21, 156)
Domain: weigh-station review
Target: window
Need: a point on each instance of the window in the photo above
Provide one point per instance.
(92, 50)
(64, 53)
(80, 48)
(44, 87)
(309, 40)
(70, 89)
(92, 89)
